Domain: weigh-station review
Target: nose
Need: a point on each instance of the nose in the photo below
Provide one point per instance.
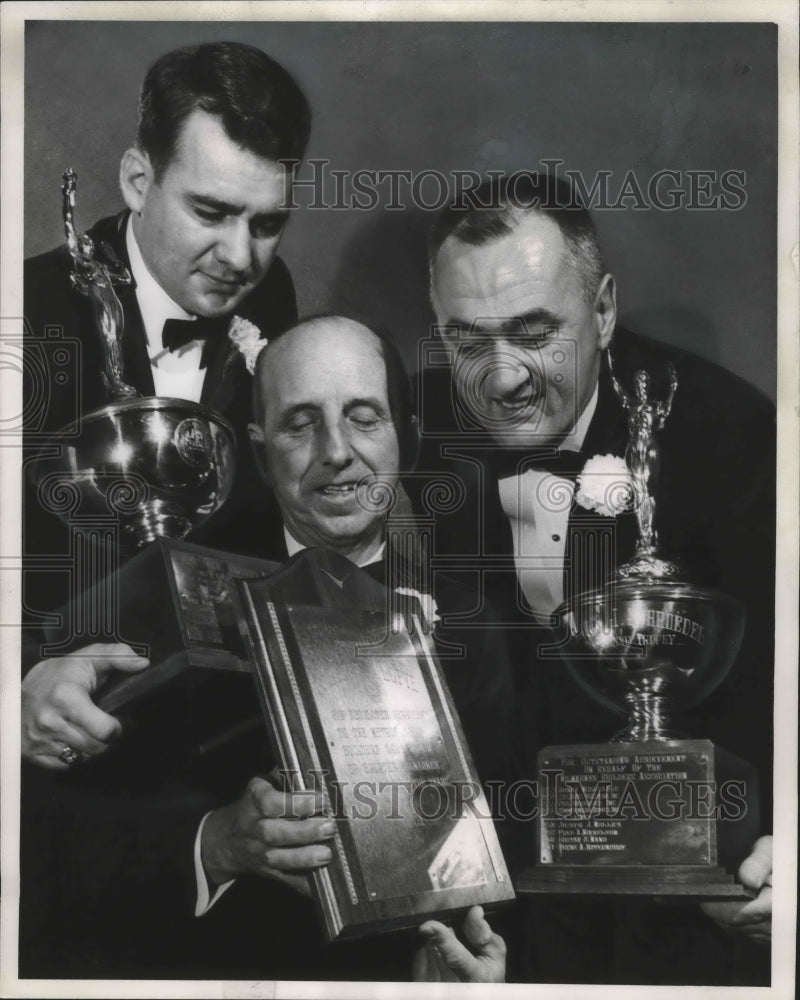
(235, 247)
(506, 371)
(334, 446)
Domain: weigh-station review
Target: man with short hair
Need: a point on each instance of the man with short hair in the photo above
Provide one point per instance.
(527, 312)
(206, 195)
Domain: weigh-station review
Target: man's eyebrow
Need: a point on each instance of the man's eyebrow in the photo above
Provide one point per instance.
(290, 411)
(370, 401)
(229, 208)
(219, 206)
(534, 317)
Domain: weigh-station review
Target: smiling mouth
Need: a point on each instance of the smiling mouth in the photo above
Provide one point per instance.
(518, 402)
(337, 489)
(228, 283)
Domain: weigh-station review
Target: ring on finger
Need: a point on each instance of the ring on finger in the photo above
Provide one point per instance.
(71, 757)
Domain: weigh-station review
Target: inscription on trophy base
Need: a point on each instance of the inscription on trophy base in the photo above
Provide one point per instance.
(660, 817)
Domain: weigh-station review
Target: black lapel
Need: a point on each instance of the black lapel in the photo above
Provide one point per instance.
(597, 544)
(224, 367)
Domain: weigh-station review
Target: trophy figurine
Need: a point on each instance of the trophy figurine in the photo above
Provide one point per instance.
(161, 466)
(653, 811)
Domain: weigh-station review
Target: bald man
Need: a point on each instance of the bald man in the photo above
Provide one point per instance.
(227, 891)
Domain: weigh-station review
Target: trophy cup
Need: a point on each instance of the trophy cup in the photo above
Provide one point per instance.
(652, 812)
(137, 471)
(162, 466)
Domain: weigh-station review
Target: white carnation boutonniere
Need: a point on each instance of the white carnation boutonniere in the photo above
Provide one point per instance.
(605, 485)
(429, 609)
(246, 336)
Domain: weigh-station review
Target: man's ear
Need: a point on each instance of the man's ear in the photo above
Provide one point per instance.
(605, 309)
(135, 178)
(256, 436)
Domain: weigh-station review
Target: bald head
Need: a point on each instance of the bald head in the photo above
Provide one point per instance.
(325, 429)
(307, 345)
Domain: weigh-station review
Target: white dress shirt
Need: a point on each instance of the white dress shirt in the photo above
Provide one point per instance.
(537, 505)
(176, 374)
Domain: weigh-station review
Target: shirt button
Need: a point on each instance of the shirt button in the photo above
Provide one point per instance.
(556, 538)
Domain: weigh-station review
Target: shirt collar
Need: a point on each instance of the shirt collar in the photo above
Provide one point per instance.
(154, 304)
(575, 438)
(293, 547)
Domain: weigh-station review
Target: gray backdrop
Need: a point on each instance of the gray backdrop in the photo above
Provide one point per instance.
(449, 97)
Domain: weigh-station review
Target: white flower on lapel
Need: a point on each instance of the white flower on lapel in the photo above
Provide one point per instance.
(247, 338)
(429, 608)
(605, 485)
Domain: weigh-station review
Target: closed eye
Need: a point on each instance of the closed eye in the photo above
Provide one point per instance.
(209, 215)
(365, 417)
(299, 421)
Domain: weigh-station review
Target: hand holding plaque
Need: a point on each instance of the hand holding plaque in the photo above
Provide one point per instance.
(652, 812)
(359, 710)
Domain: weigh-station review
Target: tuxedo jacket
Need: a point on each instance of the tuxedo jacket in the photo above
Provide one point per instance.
(108, 883)
(62, 373)
(715, 514)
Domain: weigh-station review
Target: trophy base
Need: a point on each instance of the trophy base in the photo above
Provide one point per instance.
(655, 818)
(687, 881)
(172, 602)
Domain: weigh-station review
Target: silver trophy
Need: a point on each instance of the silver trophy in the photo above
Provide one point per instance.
(627, 817)
(647, 639)
(162, 466)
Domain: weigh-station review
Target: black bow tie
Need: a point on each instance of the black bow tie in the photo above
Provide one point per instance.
(179, 332)
(515, 461)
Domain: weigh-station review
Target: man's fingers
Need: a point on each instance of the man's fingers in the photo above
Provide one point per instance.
(295, 859)
(108, 656)
(756, 911)
(480, 935)
(428, 967)
(295, 833)
(47, 761)
(756, 870)
(274, 804)
(67, 735)
(96, 723)
(456, 956)
(72, 718)
(489, 962)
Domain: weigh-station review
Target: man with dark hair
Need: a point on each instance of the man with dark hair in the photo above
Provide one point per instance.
(260, 106)
(206, 195)
(527, 313)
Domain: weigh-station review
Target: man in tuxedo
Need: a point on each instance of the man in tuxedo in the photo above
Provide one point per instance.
(166, 866)
(526, 311)
(206, 196)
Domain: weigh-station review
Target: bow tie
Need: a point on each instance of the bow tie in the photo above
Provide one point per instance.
(179, 332)
(515, 461)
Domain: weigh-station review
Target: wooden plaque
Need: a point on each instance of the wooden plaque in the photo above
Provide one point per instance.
(361, 710)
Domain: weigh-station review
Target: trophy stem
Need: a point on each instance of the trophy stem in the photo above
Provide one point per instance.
(648, 718)
(156, 519)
